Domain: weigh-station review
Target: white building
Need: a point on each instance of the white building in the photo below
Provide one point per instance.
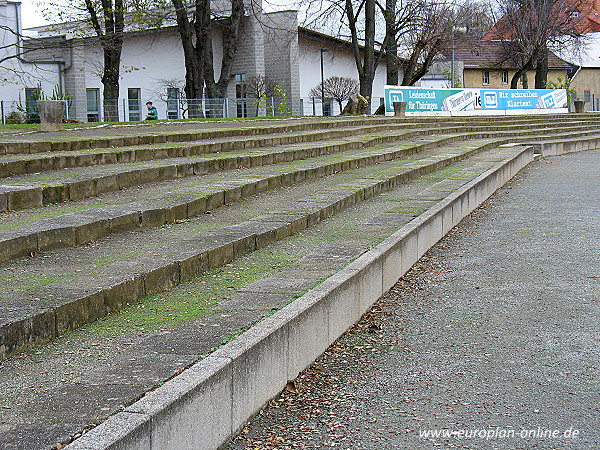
(152, 66)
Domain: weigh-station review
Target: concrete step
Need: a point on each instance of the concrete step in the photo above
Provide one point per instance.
(146, 134)
(40, 314)
(104, 138)
(179, 202)
(21, 192)
(40, 162)
(19, 164)
(90, 374)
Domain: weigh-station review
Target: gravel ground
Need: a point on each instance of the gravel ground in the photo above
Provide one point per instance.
(494, 334)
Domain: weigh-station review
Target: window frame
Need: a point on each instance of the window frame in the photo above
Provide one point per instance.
(485, 77)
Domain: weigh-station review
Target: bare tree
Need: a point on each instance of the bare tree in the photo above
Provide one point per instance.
(107, 20)
(358, 21)
(363, 14)
(259, 85)
(425, 38)
(260, 88)
(418, 31)
(338, 88)
(195, 22)
(529, 29)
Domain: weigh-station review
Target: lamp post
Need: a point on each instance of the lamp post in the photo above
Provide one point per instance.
(323, 50)
(462, 30)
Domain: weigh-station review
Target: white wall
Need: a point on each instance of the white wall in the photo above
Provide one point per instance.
(16, 74)
(338, 61)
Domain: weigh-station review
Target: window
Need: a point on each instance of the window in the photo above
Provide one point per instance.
(172, 103)
(93, 104)
(134, 104)
(587, 96)
(485, 76)
(327, 107)
(31, 97)
(240, 93)
(505, 77)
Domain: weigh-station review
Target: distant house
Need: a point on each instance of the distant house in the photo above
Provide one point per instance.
(486, 64)
(152, 65)
(585, 73)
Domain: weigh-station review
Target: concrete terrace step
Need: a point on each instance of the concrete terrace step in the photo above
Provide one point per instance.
(93, 372)
(133, 136)
(23, 164)
(38, 315)
(19, 164)
(74, 184)
(15, 193)
(185, 201)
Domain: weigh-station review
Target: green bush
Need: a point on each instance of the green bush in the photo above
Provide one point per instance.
(14, 118)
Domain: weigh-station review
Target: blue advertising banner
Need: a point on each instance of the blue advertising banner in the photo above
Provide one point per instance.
(523, 98)
(454, 100)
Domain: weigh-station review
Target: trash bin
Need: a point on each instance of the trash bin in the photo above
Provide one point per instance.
(579, 106)
(399, 109)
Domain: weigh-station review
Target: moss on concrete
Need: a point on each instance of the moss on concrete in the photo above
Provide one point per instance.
(197, 298)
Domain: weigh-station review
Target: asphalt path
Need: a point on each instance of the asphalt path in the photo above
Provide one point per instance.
(492, 341)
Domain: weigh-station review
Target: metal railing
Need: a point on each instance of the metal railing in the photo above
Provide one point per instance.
(313, 106)
(124, 110)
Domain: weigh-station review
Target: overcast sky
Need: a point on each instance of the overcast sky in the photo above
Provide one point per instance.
(31, 18)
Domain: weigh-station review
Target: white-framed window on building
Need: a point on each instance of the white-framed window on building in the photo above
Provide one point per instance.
(173, 96)
(587, 97)
(485, 77)
(505, 77)
(93, 104)
(134, 104)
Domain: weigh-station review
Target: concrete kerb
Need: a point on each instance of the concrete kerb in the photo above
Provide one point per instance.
(561, 147)
(255, 366)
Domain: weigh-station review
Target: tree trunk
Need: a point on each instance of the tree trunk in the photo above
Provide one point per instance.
(514, 82)
(364, 56)
(110, 31)
(193, 51)
(366, 80)
(217, 89)
(410, 67)
(110, 82)
(541, 71)
(391, 48)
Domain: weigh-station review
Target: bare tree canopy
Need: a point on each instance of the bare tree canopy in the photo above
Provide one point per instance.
(528, 29)
(108, 20)
(338, 88)
(258, 86)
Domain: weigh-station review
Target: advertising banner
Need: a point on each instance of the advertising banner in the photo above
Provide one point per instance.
(424, 100)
